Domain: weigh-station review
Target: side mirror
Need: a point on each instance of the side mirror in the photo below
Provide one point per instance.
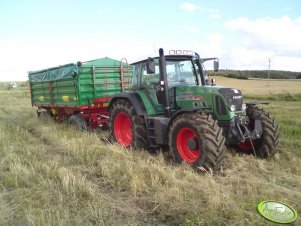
(213, 81)
(215, 65)
(150, 66)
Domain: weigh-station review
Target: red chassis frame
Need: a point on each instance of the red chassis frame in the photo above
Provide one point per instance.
(96, 114)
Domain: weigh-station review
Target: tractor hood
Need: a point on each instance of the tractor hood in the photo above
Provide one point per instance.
(194, 96)
(223, 102)
(233, 98)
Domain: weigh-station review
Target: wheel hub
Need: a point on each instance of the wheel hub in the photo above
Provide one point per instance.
(188, 145)
(192, 143)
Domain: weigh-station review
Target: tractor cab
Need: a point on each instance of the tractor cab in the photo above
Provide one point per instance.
(181, 86)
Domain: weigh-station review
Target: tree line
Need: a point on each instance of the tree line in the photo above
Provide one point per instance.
(245, 74)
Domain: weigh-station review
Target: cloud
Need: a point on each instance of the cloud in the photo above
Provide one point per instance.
(190, 7)
(211, 45)
(282, 35)
(263, 38)
(192, 29)
(214, 13)
(31, 55)
(250, 59)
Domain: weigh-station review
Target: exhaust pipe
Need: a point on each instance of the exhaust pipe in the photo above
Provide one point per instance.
(163, 83)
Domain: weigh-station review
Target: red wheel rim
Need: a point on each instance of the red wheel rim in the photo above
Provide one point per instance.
(123, 129)
(247, 146)
(187, 154)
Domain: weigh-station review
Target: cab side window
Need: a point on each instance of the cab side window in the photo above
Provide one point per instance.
(136, 76)
(151, 84)
(150, 81)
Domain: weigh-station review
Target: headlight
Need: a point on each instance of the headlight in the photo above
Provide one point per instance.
(243, 107)
(232, 108)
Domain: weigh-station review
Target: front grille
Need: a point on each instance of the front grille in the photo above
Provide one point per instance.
(220, 106)
(233, 97)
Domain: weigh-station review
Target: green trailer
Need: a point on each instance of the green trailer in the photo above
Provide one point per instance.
(79, 92)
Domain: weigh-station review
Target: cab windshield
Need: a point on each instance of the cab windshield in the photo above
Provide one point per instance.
(180, 72)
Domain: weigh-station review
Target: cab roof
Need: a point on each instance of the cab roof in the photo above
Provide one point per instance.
(168, 57)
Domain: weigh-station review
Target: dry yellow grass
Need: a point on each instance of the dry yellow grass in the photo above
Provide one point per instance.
(53, 175)
(261, 86)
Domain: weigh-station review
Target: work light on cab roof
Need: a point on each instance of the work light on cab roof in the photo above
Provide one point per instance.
(180, 52)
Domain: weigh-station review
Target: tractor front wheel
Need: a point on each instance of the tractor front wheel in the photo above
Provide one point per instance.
(266, 145)
(125, 127)
(196, 139)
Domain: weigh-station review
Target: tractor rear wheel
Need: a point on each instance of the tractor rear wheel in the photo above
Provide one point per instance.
(78, 122)
(125, 127)
(196, 138)
(266, 145)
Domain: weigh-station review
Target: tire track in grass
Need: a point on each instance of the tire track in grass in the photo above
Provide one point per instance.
(118, 200)
(70, 171)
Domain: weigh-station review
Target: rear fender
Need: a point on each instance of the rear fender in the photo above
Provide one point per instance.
(133, 98)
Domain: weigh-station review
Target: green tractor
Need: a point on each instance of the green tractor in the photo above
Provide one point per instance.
(172, 104)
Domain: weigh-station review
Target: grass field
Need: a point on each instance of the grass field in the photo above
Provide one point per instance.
(262, 86)
(53, 175)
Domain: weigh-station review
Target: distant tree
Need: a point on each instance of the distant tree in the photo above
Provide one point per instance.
(245, 74)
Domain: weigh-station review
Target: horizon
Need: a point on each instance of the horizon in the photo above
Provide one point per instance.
(220, 70)
(244, 35)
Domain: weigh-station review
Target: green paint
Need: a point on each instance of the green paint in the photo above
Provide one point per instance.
(277, 212)
(81, 88)
(151, 107)
(188, 97)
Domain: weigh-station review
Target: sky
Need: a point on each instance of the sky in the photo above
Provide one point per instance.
(244, 35)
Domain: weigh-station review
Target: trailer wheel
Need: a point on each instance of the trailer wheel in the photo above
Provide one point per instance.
(78, 122)
(196, 138)
(266, 145)
(44, 115)
(125, 127)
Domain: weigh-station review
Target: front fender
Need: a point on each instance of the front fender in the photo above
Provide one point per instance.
(180, 112)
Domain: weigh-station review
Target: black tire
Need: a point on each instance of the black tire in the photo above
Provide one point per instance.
(137, 125)
(208, 137)
(44, 115)
(266, 145)
(78, 122)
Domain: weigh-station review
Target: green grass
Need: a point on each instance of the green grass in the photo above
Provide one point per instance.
(53, 175)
